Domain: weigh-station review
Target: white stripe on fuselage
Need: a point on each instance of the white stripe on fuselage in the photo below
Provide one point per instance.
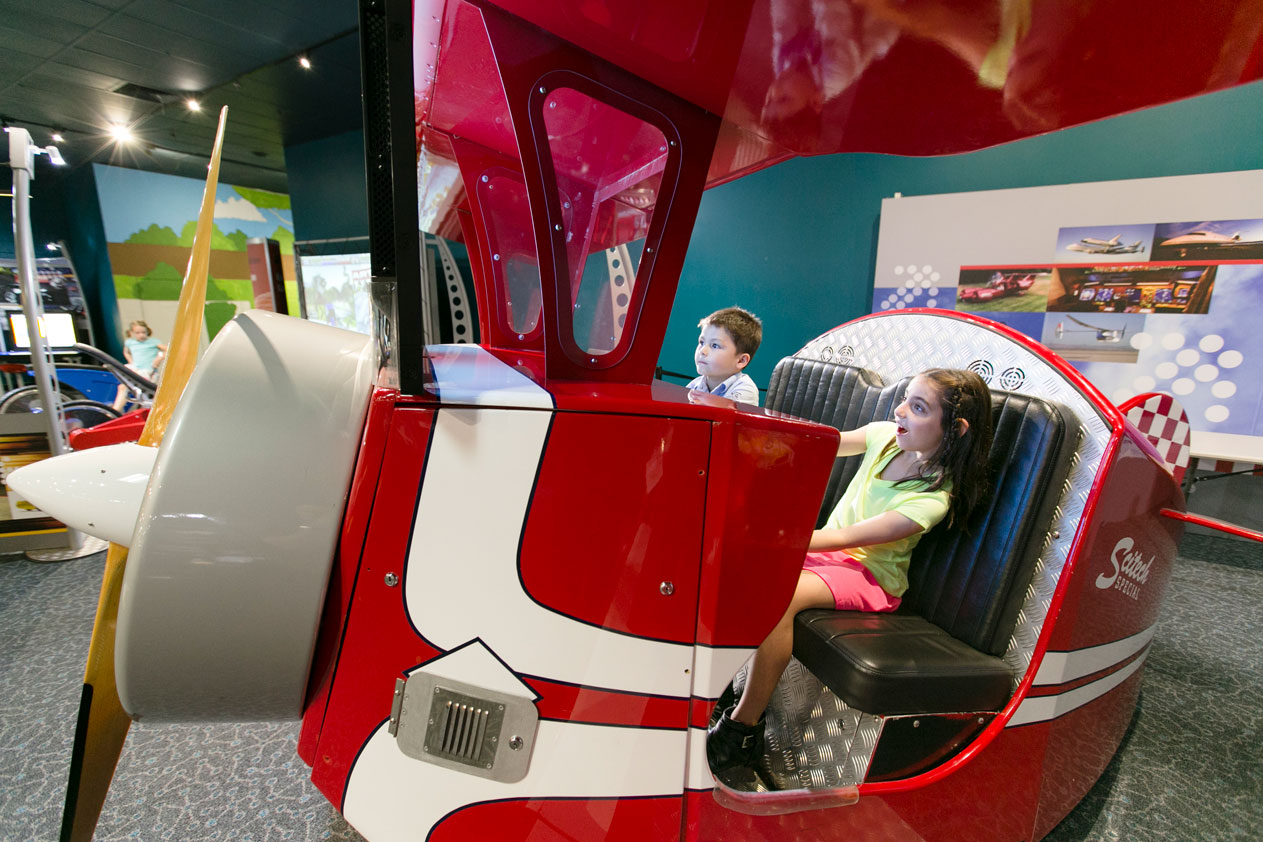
(1060, 667)
(462, 576)
(1041, 708)
(391, 796)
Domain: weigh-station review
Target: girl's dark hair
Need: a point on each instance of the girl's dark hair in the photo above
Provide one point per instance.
(961, 458)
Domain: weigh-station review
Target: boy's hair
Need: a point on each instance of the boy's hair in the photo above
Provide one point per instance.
(961, 458)
(139, 323)
(744, 327)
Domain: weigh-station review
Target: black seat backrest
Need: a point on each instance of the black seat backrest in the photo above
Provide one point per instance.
(970, 580)
(841, 396)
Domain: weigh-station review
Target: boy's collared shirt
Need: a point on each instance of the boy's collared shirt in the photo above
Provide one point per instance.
(739, 387)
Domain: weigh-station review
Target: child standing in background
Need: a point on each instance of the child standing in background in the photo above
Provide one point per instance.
(144, 354)
(727, 343)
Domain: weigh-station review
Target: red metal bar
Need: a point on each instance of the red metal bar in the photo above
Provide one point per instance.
(1214, 523)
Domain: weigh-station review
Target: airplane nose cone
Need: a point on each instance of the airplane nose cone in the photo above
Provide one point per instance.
(97, 491)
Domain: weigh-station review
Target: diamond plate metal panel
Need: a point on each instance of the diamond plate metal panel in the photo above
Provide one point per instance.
(925, 340)
(813, 738)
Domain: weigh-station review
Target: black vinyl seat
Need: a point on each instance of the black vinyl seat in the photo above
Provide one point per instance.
(940, 652)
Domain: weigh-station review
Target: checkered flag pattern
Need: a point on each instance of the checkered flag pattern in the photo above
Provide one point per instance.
(1163, 421)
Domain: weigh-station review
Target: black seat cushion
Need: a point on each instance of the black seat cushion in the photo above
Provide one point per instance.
(898, 663)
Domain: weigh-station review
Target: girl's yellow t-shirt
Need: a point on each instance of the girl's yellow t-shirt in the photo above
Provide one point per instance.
(868, 496)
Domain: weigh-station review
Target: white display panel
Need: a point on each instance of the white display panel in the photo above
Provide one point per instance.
(1143, 284)
(57, 329)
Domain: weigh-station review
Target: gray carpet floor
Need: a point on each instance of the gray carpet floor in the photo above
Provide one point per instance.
(1191, 767)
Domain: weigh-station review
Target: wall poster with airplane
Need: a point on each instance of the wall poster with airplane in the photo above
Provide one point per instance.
(1143, 285)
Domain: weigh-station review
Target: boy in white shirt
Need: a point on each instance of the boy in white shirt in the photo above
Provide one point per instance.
(728, 341)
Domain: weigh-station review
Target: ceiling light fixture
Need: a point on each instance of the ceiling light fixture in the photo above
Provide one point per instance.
(58, 137)
(304, 62)
(193, 105)
(121, 133)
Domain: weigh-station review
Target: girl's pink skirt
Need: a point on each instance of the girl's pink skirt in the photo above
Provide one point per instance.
(852, 585)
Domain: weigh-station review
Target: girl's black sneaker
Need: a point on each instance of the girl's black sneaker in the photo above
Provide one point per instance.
(730, 743)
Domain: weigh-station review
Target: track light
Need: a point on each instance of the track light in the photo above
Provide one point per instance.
(192, 104)
(121, 133)
(304, 62)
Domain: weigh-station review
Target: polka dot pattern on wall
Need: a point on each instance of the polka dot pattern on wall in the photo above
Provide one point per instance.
(1197, 361)
(1217, 413)
(918, 281)
(1230, 359)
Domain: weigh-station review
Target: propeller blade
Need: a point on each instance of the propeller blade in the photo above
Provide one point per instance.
(103, 724)
(189, 314)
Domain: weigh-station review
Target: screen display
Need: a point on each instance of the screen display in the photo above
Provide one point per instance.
(1162, 296)
(1105, 294)
(1087, 294)
(335, 288)
(58, 330)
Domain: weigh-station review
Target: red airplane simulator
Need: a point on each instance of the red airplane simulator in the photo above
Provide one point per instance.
(508, 591)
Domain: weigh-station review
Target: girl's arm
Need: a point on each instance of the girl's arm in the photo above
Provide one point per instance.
(852, 442)
(881, 529)
(127, 353)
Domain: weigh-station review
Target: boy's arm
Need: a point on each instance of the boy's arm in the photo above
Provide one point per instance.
(881, 529)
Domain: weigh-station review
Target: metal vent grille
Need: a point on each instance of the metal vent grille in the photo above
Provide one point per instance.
(461, 731)
(463, 728)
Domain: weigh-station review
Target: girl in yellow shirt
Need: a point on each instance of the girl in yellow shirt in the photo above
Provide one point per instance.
(926, 465)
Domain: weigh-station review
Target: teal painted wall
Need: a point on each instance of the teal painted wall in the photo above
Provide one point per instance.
(796, 243)
(64, 208)
(327, 188)
(92, 258)
(48, 211)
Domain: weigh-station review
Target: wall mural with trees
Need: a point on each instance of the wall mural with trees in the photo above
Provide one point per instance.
(149, 222)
